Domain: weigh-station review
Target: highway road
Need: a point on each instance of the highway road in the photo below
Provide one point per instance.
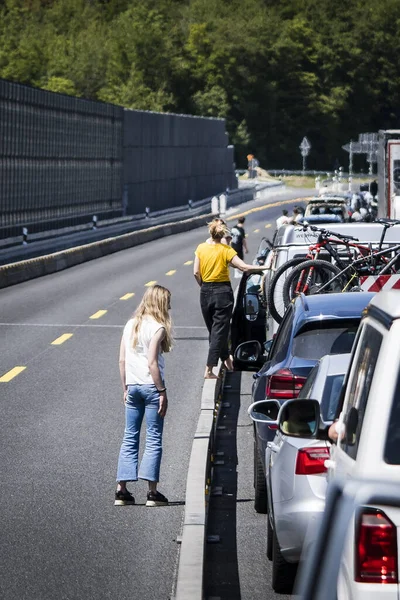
(62, 424)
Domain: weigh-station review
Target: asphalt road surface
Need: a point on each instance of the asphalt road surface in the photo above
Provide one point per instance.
(62, 424)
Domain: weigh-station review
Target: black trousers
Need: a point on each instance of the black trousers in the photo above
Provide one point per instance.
(216, 301)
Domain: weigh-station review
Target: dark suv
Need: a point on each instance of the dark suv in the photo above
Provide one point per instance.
(312, 327)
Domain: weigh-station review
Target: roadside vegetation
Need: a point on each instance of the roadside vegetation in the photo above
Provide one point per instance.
(276, 71)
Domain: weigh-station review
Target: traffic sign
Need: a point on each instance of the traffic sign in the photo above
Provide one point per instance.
(305, 146)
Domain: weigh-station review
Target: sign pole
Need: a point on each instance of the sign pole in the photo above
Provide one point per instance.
(305, 147)
(350, 164)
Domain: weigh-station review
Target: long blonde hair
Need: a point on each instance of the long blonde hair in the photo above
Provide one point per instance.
(218, 229)
(155, 303)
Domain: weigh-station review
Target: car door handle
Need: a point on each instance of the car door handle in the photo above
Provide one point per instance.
(273, 447)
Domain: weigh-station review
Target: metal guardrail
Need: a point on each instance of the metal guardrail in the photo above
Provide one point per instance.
(28, 244)
(324, 174)
(94, 222)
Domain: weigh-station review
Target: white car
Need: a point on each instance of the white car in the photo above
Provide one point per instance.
(328, 205)
(367, 450)
(295, 473)
(292, 241)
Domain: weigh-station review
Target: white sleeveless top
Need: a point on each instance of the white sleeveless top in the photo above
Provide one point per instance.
(136, 359)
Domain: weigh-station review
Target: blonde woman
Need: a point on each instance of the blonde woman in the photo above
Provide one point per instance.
(211, 271)
(141, 363)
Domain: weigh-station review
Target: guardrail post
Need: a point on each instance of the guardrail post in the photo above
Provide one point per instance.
(214, 205)
(350, 182)
(222, 204)
(94, 222)
(147, 211)
(190, 204)
(24, 236)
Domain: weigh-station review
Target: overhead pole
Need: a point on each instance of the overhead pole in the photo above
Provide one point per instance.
(350, 164)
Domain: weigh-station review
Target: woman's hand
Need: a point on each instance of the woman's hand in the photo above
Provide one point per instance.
(162, 411)
(125, 395)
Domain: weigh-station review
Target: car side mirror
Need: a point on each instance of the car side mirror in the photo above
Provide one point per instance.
(265, 411)
(300, 418)
(251, 306)
(249, 356)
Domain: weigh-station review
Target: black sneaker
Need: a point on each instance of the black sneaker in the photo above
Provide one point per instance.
(156, 499)
(123, 498)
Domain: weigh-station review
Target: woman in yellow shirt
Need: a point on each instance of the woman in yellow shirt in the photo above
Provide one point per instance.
(211, 271)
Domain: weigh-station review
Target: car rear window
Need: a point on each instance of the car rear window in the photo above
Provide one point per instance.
(318, 340)
(330, 396)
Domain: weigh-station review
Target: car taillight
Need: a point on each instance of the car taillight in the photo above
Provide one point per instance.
(311, 461)
(376, 548)
(283, 384)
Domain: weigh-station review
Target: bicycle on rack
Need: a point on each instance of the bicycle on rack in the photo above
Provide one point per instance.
(341, 249)
(310, 277)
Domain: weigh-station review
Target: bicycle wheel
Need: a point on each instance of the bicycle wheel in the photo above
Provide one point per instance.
(274, 294)
(309, 276)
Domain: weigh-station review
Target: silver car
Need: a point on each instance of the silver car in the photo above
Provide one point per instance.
(296, 473)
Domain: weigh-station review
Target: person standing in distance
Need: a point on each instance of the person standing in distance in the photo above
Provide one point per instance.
(239, 242)
(211, 271)
(141, 363)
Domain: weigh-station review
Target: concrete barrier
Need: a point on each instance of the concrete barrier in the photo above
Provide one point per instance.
(189, 583)
(18, 272)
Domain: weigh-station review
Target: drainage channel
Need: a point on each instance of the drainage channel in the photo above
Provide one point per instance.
(221, 568)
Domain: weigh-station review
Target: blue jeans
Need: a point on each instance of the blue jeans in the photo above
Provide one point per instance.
(141, 399)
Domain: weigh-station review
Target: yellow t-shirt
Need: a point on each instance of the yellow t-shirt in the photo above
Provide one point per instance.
(214, 260)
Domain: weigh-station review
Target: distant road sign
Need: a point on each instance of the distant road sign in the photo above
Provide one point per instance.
(305, 146)
(367, 144)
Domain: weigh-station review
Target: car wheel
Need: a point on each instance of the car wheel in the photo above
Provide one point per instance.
(260, 487)
(283, 573)
(270, 533)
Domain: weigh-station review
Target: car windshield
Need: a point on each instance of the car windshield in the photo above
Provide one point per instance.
(325, 209)
(330, 396)
(320, 339)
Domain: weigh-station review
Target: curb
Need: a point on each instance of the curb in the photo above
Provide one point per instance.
(18, 272)
(189, 584)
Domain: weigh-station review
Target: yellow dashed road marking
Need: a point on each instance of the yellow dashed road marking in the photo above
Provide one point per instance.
(150, 283)
(188, 262)
(127, 296)
(11, 374)
(171, 272)
(256, 231)
(268, 225)
(63, 338)
(98, 314)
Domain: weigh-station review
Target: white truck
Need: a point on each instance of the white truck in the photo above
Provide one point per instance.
(389, 173)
